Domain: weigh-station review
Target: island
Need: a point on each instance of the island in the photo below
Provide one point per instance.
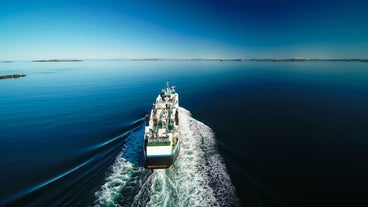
(217, 59)
(307, 59)
(12, 76)
(56, 60)
(145, 59)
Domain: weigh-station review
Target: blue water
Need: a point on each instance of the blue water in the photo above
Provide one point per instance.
(255, 133)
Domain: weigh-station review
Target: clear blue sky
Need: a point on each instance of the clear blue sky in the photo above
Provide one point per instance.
(185, 29)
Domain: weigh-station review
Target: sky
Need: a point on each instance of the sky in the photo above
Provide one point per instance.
(82, 29)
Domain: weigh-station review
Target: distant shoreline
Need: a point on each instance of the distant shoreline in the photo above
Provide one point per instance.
(308, 59)
(249, 59)
(56, 60)
(11, 76)
(210, 59)
(280, 59)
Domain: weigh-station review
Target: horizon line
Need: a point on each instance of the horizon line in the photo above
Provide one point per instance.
(187, 58)
(191, 58)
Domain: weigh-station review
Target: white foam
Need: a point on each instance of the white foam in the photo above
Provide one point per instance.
(123, 174)
(197, 178)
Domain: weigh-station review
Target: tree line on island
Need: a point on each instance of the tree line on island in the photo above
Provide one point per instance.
(12, 76)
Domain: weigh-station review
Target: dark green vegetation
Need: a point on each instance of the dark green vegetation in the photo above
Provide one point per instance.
(12, 76)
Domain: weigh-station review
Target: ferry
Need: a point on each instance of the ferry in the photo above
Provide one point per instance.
(161, 137)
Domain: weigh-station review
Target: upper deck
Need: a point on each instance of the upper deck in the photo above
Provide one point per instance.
(162, 127)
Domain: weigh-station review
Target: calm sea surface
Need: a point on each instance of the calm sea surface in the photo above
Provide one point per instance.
(254, 134)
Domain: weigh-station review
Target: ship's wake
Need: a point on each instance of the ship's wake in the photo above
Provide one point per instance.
(197, 178)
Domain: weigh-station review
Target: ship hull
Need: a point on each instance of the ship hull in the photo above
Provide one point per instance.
(161, 137)
(161, 161)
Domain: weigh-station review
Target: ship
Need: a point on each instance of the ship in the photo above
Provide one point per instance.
(161, 137)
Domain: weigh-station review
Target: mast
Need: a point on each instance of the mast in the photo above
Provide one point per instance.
(167, 84)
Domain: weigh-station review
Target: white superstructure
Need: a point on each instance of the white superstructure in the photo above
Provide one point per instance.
(162, 130)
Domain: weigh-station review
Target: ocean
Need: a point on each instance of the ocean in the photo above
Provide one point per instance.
(253, 133)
